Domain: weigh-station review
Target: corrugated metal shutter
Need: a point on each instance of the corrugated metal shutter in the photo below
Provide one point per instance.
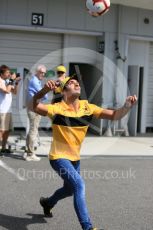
(24, 49)
(149, 120)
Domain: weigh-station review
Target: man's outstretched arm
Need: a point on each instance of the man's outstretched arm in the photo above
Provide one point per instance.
(119, 113)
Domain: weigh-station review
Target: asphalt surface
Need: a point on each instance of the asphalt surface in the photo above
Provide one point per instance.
(119, 192)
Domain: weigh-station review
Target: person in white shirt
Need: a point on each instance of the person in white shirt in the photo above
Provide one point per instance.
(8, 85)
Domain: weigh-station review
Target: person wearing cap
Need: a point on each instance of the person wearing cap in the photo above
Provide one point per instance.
(61, 74)
(70, 121)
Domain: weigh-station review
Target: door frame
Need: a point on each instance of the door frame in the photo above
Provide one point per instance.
(145, 82)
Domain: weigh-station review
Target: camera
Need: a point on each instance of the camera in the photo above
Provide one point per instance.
(18, 75)
(9, 82)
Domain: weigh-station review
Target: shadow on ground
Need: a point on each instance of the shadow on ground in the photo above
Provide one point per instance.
(14, 223)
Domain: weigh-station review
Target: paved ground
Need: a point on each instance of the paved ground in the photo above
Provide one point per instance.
(119, 194)
(119, 186)
(95, 145)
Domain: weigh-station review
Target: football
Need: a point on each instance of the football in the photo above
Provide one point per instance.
(97, 7)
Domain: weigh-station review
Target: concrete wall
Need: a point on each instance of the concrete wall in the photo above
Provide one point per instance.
(67, 14)
(71, 14)
(133, 21)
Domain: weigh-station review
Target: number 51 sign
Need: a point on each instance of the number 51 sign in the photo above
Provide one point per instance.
(37, 19)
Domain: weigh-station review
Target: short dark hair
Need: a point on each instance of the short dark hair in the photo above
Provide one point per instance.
(3, 69)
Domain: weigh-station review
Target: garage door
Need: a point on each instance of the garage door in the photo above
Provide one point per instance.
(149, 120)
(24, 49)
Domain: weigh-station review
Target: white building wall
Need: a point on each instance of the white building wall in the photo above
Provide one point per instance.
(67, 16)
(137, 52)
(78, 47)
(149, 120)
(73, 16)
(23, 49)
(20, 49)
(109, 71)
(139, 56)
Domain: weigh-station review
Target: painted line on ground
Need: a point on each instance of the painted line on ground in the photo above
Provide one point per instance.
(11, 170)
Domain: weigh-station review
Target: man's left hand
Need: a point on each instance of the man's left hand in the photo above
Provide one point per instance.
(130, 101)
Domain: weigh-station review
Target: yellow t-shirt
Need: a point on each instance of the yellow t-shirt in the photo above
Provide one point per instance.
(69, 128)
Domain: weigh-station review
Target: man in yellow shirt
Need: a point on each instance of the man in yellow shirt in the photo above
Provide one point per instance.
(70, 119)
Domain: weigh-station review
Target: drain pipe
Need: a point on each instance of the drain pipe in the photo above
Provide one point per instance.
(119, 66)
(117, 48)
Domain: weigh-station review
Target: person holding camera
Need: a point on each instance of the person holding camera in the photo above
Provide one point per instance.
(34, 85)
(8, 86)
